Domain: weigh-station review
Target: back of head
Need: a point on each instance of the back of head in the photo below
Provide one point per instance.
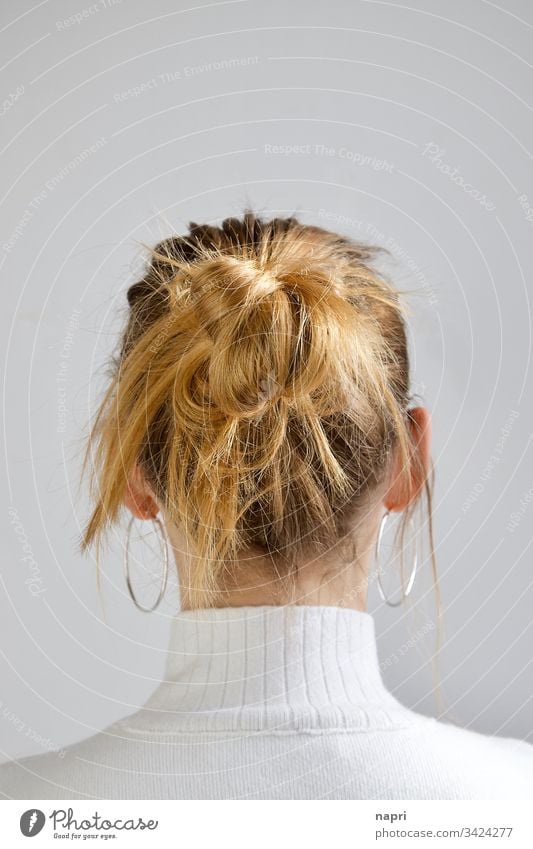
(261, 386)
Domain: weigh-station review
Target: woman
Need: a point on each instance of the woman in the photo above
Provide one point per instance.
(259, 412)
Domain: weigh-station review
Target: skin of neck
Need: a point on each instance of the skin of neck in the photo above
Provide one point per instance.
(339, 579)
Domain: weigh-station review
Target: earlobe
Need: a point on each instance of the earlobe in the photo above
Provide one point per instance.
(399, 496)
(139, 498)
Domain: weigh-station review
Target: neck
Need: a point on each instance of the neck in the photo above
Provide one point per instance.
(340, 585)
(339, 578)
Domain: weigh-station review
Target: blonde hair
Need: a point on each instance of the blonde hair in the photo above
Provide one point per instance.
(262, 384)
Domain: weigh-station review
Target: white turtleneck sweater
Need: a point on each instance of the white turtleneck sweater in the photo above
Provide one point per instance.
(276, 703)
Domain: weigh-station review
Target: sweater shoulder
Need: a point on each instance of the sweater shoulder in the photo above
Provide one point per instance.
(456, 736)
(419, 757)
(470, 764)
(74, 772)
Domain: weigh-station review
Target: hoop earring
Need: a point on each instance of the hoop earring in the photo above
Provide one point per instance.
(164, 548)
(405, 591)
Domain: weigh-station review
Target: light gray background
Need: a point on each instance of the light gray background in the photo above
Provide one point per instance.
(94, 162)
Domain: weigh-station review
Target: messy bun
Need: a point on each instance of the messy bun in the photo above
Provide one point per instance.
(261, 384)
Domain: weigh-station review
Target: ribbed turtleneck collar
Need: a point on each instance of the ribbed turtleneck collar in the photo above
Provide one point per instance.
(292, 666)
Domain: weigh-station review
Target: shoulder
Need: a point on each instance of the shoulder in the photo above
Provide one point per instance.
(472, 765)
(511, 749)
(37, 777)
(75, 772)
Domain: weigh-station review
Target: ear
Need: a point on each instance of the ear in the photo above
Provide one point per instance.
(139, 497)
(399, 496)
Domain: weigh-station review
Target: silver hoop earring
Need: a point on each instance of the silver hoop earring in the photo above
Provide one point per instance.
(405, 591)
(164, 548)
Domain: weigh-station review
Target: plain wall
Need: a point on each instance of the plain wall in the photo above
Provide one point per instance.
(412, 126)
